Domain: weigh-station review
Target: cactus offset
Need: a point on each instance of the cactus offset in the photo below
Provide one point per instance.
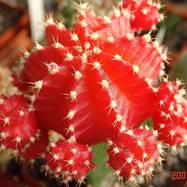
(145, 13)
(135, 153)
(69, 161)
(170, 119)
(17, 126)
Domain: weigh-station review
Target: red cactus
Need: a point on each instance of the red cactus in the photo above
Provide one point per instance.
(171, 98)
(170, 120)
(69, 161)
(69, 72)
(36, 148)
(17, 125)
(94, 83)
(134, 153)
(89, 28)
(145, 13)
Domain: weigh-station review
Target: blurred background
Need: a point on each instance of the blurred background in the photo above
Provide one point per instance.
(22, 24)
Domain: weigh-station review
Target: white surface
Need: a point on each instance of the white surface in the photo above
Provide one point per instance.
(37, 17)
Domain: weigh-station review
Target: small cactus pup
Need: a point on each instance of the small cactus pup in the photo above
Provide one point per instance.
(90, 81)
(68, 161)
(17, 123)
(170, 119)
(145, 13)
(134, 154)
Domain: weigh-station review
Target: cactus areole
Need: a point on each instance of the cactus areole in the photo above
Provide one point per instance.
(92, 84)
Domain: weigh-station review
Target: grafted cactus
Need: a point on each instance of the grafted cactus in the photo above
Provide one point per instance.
(145, 13)
(96, 57)
(98, 83)
(170, 119)
(18, 126)
(134, 153)
(69, 161)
